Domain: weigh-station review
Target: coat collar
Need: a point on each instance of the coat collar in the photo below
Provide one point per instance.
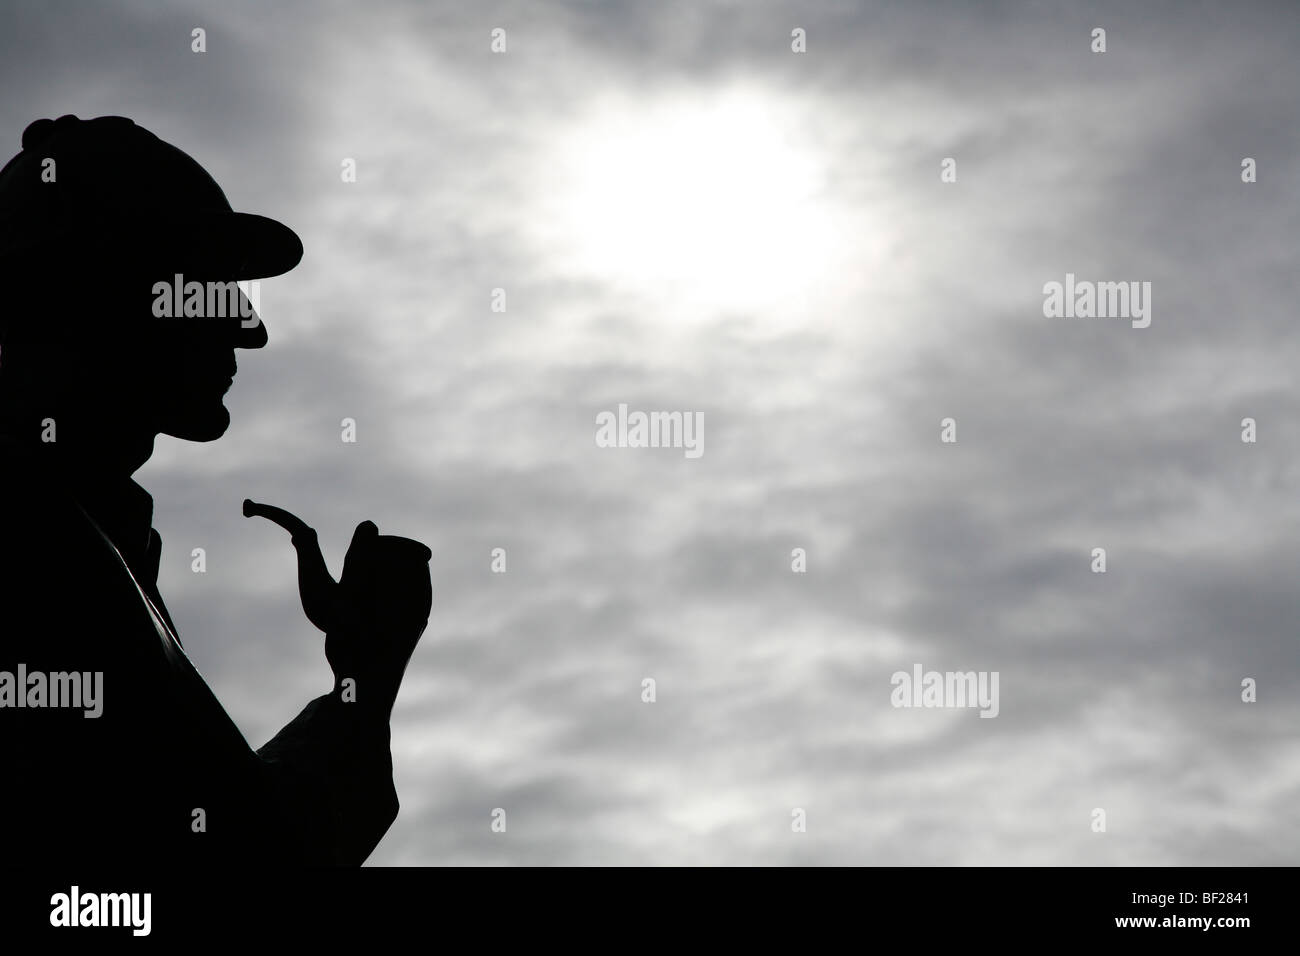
(124, 511)
(121, 508)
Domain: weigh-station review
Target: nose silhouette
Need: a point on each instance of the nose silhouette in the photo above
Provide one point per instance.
(316, 586)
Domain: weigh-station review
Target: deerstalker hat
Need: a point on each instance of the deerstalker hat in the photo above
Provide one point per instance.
(109, 195)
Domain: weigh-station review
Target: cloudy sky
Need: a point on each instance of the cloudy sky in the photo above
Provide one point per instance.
(685, 215)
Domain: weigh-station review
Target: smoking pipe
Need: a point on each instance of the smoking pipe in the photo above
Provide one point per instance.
(316, 586)
(374, 614)
(372, 561)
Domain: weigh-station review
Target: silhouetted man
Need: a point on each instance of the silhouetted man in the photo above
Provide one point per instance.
(112, 747)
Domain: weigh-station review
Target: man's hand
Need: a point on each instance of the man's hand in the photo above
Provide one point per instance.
(384, 599)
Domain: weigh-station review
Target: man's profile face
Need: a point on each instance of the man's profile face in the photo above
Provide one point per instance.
(192, 366)
(135, 371)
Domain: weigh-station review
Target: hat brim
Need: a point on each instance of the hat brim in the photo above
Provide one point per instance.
(217, 245)
(242, 245)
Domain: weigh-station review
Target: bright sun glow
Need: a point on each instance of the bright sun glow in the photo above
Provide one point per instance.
(710, 206)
